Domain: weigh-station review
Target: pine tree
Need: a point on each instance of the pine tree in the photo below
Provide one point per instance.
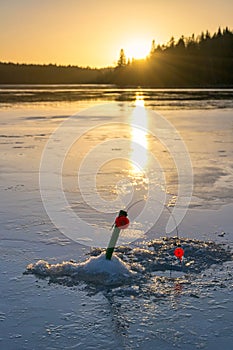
(153, 48)
(122, 59)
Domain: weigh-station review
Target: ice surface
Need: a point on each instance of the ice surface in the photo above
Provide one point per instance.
(163, 304)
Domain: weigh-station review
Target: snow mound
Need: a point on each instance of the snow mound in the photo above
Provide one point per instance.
(96, 269)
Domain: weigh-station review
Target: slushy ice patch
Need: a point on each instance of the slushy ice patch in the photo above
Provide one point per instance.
(135, 263)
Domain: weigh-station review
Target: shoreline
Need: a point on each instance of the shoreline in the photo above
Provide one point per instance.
(183, 98)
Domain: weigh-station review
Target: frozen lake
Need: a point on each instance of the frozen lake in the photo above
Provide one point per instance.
(71, 158)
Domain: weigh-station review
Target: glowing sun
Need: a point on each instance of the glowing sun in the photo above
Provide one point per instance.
(137, 48)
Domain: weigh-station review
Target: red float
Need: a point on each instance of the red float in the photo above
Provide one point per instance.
(179, 253)
(122, 222)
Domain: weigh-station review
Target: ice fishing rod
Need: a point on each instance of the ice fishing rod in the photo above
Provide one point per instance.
(122, 222)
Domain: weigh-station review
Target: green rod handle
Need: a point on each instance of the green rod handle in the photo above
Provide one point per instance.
(112, 243)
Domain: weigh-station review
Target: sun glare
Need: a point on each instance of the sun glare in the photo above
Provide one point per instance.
(139, 154)
(137, 49)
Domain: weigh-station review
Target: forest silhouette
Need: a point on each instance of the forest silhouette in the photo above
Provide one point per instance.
(202, 61)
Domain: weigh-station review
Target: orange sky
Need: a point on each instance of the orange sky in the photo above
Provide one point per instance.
(92, 32)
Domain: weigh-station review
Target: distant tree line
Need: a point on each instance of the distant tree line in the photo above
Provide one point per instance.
(202, 61)
(15, 73)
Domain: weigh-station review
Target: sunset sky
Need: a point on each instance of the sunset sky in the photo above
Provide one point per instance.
(92, 32)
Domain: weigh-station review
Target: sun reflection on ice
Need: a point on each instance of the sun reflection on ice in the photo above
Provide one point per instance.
(139, 136)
